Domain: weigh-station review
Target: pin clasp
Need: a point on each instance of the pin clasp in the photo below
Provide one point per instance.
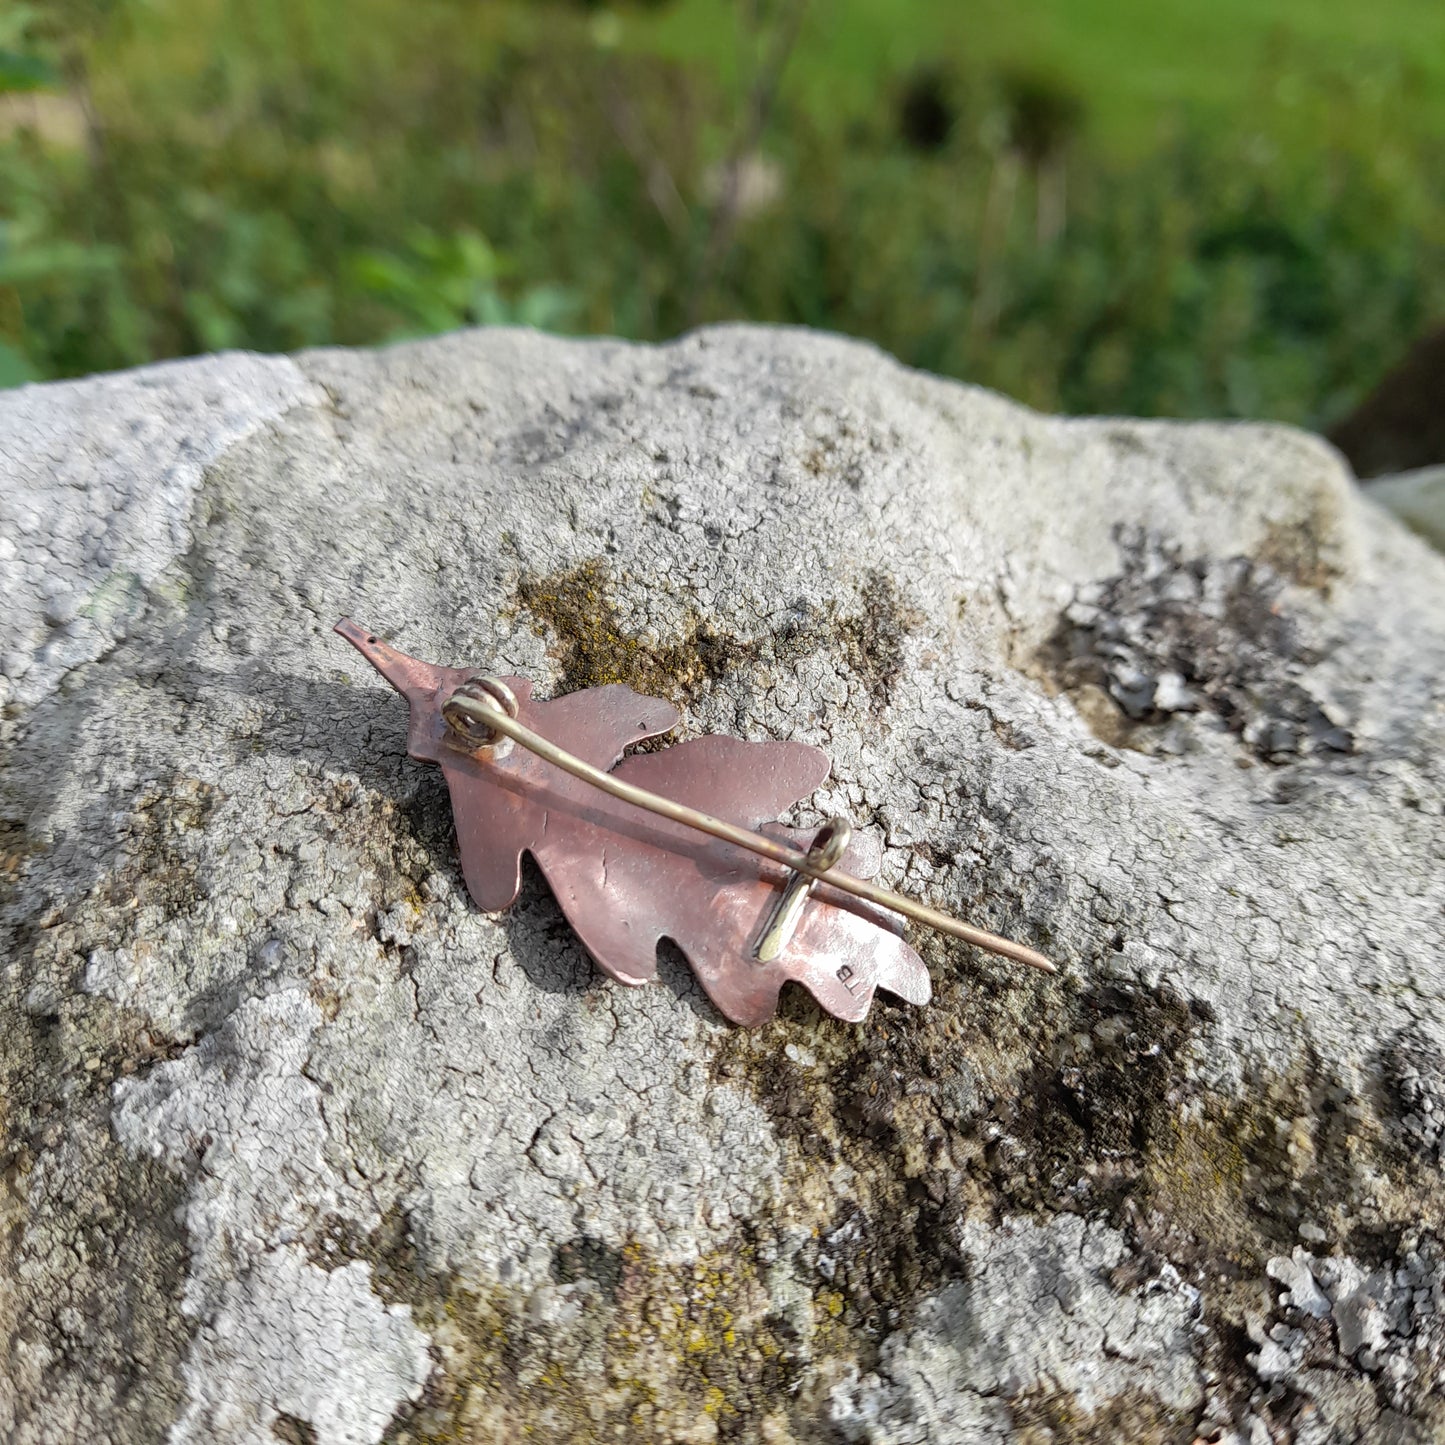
(829, 844)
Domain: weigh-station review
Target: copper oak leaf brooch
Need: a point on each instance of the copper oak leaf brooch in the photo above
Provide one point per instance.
(677, 843)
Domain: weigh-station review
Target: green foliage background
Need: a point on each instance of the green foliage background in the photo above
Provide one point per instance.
(1095, 205)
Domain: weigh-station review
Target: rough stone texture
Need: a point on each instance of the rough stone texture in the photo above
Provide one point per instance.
(1035, 1304)
(100, 480)
(299, 1145)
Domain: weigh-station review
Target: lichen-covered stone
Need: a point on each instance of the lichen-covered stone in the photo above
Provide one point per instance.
(299, 1145)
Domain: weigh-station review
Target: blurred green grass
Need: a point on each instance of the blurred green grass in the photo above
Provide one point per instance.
(1095, 205)
(1138, 64)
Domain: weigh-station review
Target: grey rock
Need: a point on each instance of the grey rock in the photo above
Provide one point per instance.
(299, 1144)
(1036, 1310)
(1387, 1320)
(1303, 1293)
(100, 481)
(329, 1353)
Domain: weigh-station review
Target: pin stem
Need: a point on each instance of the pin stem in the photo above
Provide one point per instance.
(482, 708)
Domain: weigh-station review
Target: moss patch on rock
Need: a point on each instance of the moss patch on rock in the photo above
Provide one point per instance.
(993, 1103)
(1042, 1418)
(592, 645)
(636, 1350)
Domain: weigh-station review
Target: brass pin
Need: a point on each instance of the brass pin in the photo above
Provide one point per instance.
(475, 704)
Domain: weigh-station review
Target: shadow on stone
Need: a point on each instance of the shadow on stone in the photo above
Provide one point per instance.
(675, 974)
(541, 941)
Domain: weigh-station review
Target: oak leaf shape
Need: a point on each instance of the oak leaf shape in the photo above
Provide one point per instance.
(624, 878)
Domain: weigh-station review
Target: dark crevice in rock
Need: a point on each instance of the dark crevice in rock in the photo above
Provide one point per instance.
(586, 1257)
(291, 1431)
(1412, 1070)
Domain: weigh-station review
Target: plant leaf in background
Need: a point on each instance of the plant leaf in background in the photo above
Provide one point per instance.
(247, 278)
(25, 72)
(442, 282)
(14, 368)
(23, 65)
(29, 258)
(41, 266)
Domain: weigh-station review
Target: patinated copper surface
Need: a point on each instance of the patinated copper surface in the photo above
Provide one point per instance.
(624, 878)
